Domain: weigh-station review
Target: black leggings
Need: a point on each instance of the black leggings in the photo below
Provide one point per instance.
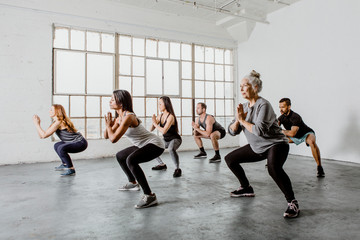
(130, 158)
(276, 157)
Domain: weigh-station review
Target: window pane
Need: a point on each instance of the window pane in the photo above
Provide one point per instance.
(209, 71)
(93, 128)
(147, 124)
(138, 46)
(151, 48)
(219, 56)
(228, 57)
(199, 71)
(62, 100)
(138, 66)
(105, 106)
(174, 50)
(219, 90)
(209, 55)
(219, 72)
(77, 40)
(139, 86)
(199, 54)
(186, 126)
(153, 76)
(77, 106)
(171, 78)
(221, 121)
(186, 70)
(100, 74)
(61, 39)
(229, 90)
(179, 119)
(69, 72)
(125, 65)
(92, 41)
(139, 107)
(229, 73)
(108, 43)
(125, 83)
(186, 52)
(186, 107)
(163, 49)
(210, 103)
(176, 103)
(199, 89)
(219, 107)
(209, 90)
(79, 125)
(92, 106)
(125, 45)
(186, 89)
(229, 107)
(228, 121)
(151, 106)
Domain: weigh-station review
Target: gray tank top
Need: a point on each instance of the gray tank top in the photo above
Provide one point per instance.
(67, 136)
(140, 137)
(216, 125)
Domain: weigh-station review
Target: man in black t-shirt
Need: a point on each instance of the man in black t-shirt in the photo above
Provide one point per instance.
(297, 131)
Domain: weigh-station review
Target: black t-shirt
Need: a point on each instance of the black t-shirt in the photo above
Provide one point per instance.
(294, 119)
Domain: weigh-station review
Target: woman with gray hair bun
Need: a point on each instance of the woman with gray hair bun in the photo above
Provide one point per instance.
(258, 120)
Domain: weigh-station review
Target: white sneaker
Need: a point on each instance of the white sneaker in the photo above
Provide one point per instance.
(130, 187)
(147, 201)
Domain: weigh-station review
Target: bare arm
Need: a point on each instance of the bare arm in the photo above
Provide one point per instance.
(292, 132)
(48, 132)
(115, 124)
(209, 127)
(167, 126)
(115, 135)
(156, 121)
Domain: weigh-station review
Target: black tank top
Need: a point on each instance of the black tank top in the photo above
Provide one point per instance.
(216, 125)
(171, 133)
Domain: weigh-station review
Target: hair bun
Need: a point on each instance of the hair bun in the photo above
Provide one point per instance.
(255, 74)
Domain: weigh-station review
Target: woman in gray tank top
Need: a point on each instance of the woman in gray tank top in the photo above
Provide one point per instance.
(71, 140)
(146, 146)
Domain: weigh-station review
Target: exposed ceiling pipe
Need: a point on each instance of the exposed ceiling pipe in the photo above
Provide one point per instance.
(220, 10)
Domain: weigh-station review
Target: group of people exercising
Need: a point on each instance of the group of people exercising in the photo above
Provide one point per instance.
(256, 118)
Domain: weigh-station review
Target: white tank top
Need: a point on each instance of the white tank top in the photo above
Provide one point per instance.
(140, 137)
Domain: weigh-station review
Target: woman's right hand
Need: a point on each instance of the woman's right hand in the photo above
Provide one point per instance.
(36, 119)
(109, 122)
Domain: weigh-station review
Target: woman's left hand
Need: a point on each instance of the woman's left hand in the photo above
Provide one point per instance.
(36, 119)
(240, 114)
(108, 120)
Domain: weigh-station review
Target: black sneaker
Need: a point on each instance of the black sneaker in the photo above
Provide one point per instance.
(215, 159)
(292, 210)
(160, 167)
(243, 192)
(320, 172)
(177, 173)
(201, 155)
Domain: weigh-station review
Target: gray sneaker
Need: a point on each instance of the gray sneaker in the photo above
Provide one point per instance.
(130, 187)
(147, 201)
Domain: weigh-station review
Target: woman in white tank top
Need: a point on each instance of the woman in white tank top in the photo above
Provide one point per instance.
(146, 146)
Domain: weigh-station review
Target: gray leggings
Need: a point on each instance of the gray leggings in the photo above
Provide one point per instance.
(172, 146)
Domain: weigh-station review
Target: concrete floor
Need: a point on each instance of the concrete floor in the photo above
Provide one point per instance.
(36, 203)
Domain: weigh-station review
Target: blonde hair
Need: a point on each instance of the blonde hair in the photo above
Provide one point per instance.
(63, 118)
(254, 80)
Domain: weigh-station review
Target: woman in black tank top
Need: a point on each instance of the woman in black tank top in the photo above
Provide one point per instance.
(71, 140)
(167, 124)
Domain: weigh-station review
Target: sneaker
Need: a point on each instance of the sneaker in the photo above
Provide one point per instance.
(147, 201)
(130, 187)
(243, 192)
(177, 173)
(320, 171)
(292, 210)
(201, 155)
(215, 159)
(69, 172)
(160, 167)
(61, 167)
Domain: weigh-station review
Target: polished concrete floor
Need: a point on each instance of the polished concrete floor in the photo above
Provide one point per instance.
(36, 203)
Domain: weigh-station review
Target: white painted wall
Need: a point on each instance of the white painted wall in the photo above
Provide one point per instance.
(310, 52)
(26, 65)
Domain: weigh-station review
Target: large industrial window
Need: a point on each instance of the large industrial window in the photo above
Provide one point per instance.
(89, 65)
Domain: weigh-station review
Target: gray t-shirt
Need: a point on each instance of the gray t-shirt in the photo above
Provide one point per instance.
(265, 132)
